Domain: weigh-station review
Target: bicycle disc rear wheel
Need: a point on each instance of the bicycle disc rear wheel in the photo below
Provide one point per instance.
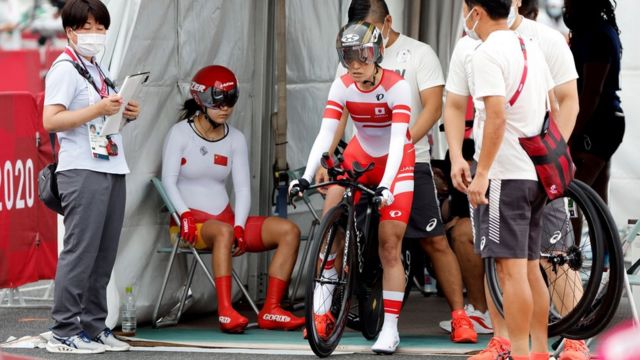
(330, 294)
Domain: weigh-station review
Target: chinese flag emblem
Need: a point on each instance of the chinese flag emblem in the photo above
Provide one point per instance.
(220, 160)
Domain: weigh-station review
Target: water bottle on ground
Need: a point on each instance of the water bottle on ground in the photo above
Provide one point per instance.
(128, 313)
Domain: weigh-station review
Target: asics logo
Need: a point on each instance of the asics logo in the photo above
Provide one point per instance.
(556, 237)
(432, 224)
(224, 319)
(350, 37)
(275, 317)
(395, 213)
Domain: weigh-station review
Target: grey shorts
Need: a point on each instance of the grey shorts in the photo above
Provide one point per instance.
(425, 220)
(510, 226)
(557, 232)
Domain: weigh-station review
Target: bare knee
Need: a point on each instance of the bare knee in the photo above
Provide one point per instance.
(389, 251)
(224, 235)
(437, 245)
(291, 236)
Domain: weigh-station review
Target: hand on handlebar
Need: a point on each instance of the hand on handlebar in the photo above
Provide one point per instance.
(385, 196)
(297, 187)
(322, 175)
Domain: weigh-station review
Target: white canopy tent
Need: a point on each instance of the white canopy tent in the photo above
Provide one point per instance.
(173, 39)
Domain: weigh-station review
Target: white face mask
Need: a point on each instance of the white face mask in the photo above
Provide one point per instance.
(471, 32)
(90, 44)
(513, 15)
(385, 40)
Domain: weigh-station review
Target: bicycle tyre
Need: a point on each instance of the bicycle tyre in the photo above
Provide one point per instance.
(558, 324)
(605, 305)
(332, 222)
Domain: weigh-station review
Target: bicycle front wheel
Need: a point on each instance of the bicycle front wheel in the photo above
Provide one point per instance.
(328, 286)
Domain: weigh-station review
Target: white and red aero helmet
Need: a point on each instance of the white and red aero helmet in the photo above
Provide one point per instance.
(215, 86)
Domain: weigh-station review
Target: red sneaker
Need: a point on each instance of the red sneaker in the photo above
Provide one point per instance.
(462, 330)
(279, 319)
(324, 325)
(498, 348)
(575, 350)
(232, 322)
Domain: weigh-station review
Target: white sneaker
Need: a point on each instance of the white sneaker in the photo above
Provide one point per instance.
(76, 344)
(481, 321)
(110, 342)
(388, 341)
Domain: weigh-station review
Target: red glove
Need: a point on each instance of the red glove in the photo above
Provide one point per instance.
(240, 245)
(188, 227)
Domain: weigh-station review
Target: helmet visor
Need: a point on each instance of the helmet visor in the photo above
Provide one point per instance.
(363, 53)
(217, 98)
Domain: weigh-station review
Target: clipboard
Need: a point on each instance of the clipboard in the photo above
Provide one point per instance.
(129, 87)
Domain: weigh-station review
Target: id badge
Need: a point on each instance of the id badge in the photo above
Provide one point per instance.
(97, 142)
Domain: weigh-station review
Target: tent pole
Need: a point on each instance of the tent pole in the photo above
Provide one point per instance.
(280, 125)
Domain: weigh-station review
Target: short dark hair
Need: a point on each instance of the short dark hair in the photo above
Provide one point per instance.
(76, 12)
(497, 9)
(360, 10)
(529, 9)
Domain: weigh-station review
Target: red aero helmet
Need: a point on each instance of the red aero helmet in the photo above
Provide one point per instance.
(215, 86)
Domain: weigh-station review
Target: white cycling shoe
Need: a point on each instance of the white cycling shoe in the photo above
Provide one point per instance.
(388, 341)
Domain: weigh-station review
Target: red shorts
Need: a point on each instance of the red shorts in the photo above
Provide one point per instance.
(252, 229)
(402, 186)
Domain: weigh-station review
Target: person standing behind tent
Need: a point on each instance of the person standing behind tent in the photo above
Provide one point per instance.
(200, 153)
(91, 181)
(596, 47)
(510, 77)
(417, 63)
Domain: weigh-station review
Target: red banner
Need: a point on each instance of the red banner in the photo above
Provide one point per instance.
(28, 233)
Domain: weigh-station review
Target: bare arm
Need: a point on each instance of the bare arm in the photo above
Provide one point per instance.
(431, 111)
(567, 98)
(494, 128)
(58, 118)
(454, 124)
(594, 75)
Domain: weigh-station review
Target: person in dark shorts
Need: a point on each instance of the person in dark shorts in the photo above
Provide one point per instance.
(596, 47)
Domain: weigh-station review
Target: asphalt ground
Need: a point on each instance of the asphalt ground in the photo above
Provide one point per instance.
(420, 316)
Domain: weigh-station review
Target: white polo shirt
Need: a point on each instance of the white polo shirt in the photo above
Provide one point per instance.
(496, 70)
(419, 65)
(64, 86)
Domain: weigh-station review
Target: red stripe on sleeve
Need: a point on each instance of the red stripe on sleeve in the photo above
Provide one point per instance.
(402, 107)
(400, 117)
(330, 113)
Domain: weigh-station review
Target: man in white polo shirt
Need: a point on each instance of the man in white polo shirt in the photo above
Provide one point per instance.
(509, 75)
(561, 65)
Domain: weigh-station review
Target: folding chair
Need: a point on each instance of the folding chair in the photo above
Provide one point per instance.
(296, 174)
(177, 249)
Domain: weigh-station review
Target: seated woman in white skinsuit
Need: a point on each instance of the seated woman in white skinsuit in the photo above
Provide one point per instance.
(200, 152)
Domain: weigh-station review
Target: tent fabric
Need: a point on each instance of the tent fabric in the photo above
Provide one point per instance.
(173, 39)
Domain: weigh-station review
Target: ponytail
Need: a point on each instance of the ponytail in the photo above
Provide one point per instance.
(189, 108)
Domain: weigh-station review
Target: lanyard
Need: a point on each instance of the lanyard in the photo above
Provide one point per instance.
(516, 95)
(103, 87)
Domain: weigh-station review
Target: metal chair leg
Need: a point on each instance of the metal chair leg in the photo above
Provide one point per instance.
(185, 292)
(303, 262)
(172, 257)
